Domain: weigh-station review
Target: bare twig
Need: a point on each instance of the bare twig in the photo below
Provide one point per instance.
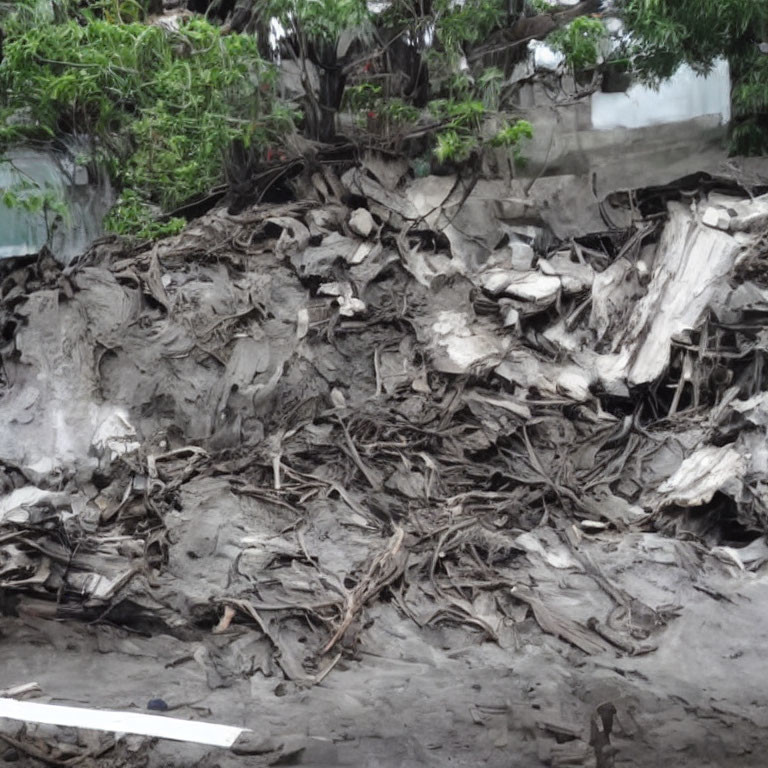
(382, 571)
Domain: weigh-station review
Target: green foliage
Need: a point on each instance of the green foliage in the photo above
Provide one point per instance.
(34, 199)
(454, 146)
(321, 20)
(23, 14)
(118, 11)
(750, 91)
(580, 42)
(489, 83)
(750, 136)
(454, 25)
(167, 104)
(366, 100)
(512, 134)
(461, 124)
(29, 196)
(513, 137)
(26, 14)
(445, 77)
(133, 216)
(749, 99)
(457, 25)
(463, 129)
(397, 112)
(364, 96)
(421, 166)
(667, 34)
(462, 115)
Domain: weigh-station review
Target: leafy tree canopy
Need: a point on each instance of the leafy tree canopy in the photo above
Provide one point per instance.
(668, 33)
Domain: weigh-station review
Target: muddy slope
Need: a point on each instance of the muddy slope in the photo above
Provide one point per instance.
(412, 482)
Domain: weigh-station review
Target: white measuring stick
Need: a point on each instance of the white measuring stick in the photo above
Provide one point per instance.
(122, 722)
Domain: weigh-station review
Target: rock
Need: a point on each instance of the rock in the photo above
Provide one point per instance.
(361, 222)
(516, 255)
(321, 221)
(533, 286)
(717, 218)
(338, 399)
(250, 743)
(521, 256)
(387, 171)
(349, 305)
(511, 317)
(458, 343)
(495, 281)
(294, 236)
(573, 276)
(318, 260)
(302, 323)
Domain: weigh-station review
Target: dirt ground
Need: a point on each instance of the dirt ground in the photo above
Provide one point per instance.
(433, 697)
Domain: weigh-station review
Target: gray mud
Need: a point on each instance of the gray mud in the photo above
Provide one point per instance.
(286, 476)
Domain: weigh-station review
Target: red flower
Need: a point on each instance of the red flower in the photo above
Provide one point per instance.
(372, 115)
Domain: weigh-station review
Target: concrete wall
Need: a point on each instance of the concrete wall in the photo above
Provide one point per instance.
(51, 171)
(685, 96)
(627, 140)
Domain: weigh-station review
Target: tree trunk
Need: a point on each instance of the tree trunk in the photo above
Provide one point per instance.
(321, 117)
(332, 82)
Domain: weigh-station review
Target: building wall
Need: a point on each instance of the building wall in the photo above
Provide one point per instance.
(685, 96)
(643, 137)
(45, 170)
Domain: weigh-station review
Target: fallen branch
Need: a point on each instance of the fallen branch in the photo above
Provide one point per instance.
(383, 570)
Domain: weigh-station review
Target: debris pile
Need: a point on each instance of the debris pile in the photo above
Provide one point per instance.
(399, 395)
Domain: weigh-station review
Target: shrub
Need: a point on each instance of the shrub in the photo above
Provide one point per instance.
(166, 106)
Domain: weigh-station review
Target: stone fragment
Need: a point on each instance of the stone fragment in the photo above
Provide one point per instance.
(361, 222)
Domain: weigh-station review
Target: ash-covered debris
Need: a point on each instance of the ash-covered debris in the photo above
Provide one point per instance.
(260, 439)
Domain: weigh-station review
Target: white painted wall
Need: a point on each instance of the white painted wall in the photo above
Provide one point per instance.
(684, 96)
